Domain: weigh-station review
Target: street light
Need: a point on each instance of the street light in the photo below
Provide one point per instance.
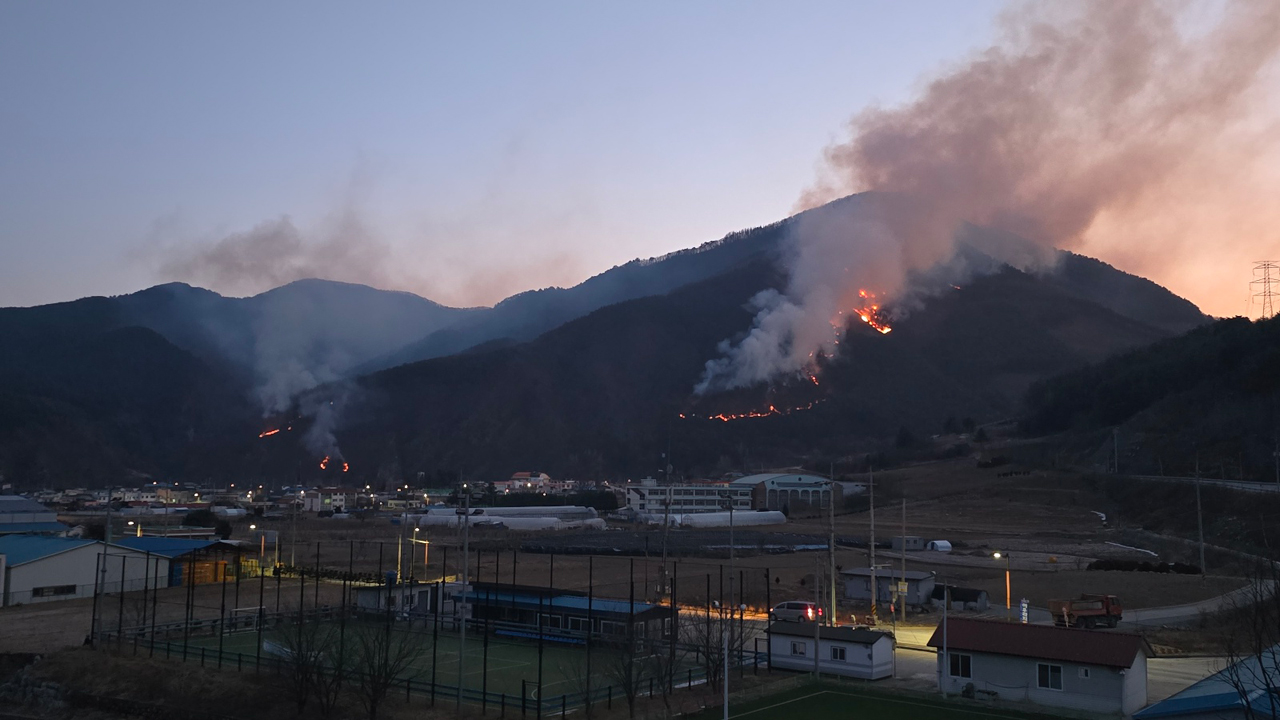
(139, 531)
(1008, 604)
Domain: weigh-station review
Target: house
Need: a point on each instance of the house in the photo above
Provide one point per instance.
(1101, 672)
(961, 598)
(39, 568)
(1246, 689)
(848, 651)
(857, 585)
(790, 492)
(907, 542)
(20, 515)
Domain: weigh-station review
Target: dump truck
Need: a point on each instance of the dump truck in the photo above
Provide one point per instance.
(1088, 611)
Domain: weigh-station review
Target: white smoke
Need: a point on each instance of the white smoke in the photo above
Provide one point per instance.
(1087, 122)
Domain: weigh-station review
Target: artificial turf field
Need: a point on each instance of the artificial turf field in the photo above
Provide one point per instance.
(823, 702)
(512, 663)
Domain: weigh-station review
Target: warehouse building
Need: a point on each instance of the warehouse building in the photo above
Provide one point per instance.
(40, 568)
(20, 515)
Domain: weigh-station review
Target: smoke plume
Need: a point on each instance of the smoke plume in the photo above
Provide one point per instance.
(1119, 129)
(275, 252)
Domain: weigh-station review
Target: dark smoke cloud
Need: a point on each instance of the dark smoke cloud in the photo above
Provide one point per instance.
(1119, 128)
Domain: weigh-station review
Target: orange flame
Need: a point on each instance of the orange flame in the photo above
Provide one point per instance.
(324, 464)
(345, 467)
(268, 433)
(773, 410)
(870, 313)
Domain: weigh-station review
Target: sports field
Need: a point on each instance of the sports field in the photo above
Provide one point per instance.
(817, 702)
(511, 664)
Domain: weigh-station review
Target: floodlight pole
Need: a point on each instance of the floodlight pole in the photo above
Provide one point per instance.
(462, 641)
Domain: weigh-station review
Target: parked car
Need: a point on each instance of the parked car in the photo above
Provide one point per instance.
(796, 611)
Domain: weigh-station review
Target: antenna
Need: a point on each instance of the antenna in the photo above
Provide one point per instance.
(1265, 287)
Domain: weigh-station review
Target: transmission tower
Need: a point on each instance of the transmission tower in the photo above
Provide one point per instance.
(1265, 287)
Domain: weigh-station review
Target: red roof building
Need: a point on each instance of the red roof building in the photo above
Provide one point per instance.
(1093, 670)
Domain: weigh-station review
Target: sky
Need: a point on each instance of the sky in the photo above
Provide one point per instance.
(461, 151)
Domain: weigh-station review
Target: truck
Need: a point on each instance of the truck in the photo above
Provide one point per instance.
(1088, 611)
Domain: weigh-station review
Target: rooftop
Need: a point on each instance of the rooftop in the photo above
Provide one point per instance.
(800, 478)
(32, 527)
(863, 636)
(1216, 694)
(888, 573)
(22, 549)
(170, 547)
(1042, 642)
(13, 504)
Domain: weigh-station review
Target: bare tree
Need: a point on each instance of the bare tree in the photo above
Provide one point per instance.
(304, 648)
(383, 656)
(1253, 644)
(626, 671)
(708, 637)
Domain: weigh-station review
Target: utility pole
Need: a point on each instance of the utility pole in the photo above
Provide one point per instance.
(902, 599)
(831, 547)
(1115, 448)
(666, 516)
(1200, 521)
(871, 544)
(466, 571)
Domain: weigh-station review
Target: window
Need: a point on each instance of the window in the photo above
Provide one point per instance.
(797, 648)
(53, 590)
(1083, 673)
(837, 653)
(961, 665)
(578, 623)
(1049, 677)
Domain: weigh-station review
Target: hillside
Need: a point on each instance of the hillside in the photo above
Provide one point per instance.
(1210, 394)
(605, 392)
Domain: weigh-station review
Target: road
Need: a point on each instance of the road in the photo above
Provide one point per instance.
(1240, 485)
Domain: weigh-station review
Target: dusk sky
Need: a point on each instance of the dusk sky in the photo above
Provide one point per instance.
(469, 151)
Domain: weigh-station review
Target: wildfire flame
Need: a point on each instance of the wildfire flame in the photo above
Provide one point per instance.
(870, 313)
(268, 433)
(324, 464)
(773, 410)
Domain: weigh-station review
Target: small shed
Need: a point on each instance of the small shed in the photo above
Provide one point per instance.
(939, 545)
(857, 585)
(907, 542)
(961, 598)
(848, 651)
(190, 560)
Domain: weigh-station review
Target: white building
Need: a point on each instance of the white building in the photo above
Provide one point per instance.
(39, 568)
(790, 492)
(655, 499)
(333, 499)
(1090, 670)
(852, 652)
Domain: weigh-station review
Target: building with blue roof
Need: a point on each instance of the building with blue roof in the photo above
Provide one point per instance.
(202, 561)
(39, 568)
(1248, 689)
(20, 515)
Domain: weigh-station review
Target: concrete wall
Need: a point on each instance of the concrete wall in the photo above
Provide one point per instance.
(1105, 690)
(869, 662)
(76, 569)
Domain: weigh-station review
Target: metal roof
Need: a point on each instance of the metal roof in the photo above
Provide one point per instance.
(19, 504)
(1042, 642)
(22, 549)
(793, 477)
(560, 602)
(165, 546)
(1215, 694)
(862, 636)
(888, 573)
(32, 527)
